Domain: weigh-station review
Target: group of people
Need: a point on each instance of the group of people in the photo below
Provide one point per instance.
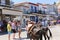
(36, 31)
(13, 26)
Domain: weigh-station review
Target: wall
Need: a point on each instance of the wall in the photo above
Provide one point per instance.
(11, 12)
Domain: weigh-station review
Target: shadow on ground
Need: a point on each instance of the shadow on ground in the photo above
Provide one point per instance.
(3, 33)
(20, 38)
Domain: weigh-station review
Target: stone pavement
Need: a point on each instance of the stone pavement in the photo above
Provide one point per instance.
(55, 31)
(23, 36)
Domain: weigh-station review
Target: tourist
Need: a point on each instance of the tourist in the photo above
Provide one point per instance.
(19, 28)
(13, 28)
(9, 29)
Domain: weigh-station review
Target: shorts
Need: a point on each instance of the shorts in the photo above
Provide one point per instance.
(13, 30)
(9, 33)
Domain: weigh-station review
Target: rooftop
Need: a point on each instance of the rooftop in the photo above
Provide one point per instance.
(25, 3)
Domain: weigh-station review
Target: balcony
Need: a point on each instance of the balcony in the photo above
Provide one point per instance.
(4, 5)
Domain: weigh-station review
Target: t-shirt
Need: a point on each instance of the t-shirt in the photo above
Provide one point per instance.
(13, 26)
(8, 27)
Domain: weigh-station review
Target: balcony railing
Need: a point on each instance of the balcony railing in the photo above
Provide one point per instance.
(4, 5)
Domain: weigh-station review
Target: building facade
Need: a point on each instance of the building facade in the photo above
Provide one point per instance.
(10, 14)
(49, 9)
(6, 3)
(37, 11)
(29, 10)
(28, 6)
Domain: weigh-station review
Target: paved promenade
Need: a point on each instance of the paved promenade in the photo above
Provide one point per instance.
(55, 31)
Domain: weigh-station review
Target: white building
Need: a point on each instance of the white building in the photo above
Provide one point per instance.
(49, 9)
(29, 9)
(27, 6)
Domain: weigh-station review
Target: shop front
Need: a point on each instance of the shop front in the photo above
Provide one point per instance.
(9, 15)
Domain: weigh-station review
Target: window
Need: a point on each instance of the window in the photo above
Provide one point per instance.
(24, 11)
(36, 19)
(32, 18)
(31, 8)
(35, 9)
(2, 2)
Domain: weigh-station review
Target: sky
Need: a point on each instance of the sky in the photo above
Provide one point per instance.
(36, 1)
